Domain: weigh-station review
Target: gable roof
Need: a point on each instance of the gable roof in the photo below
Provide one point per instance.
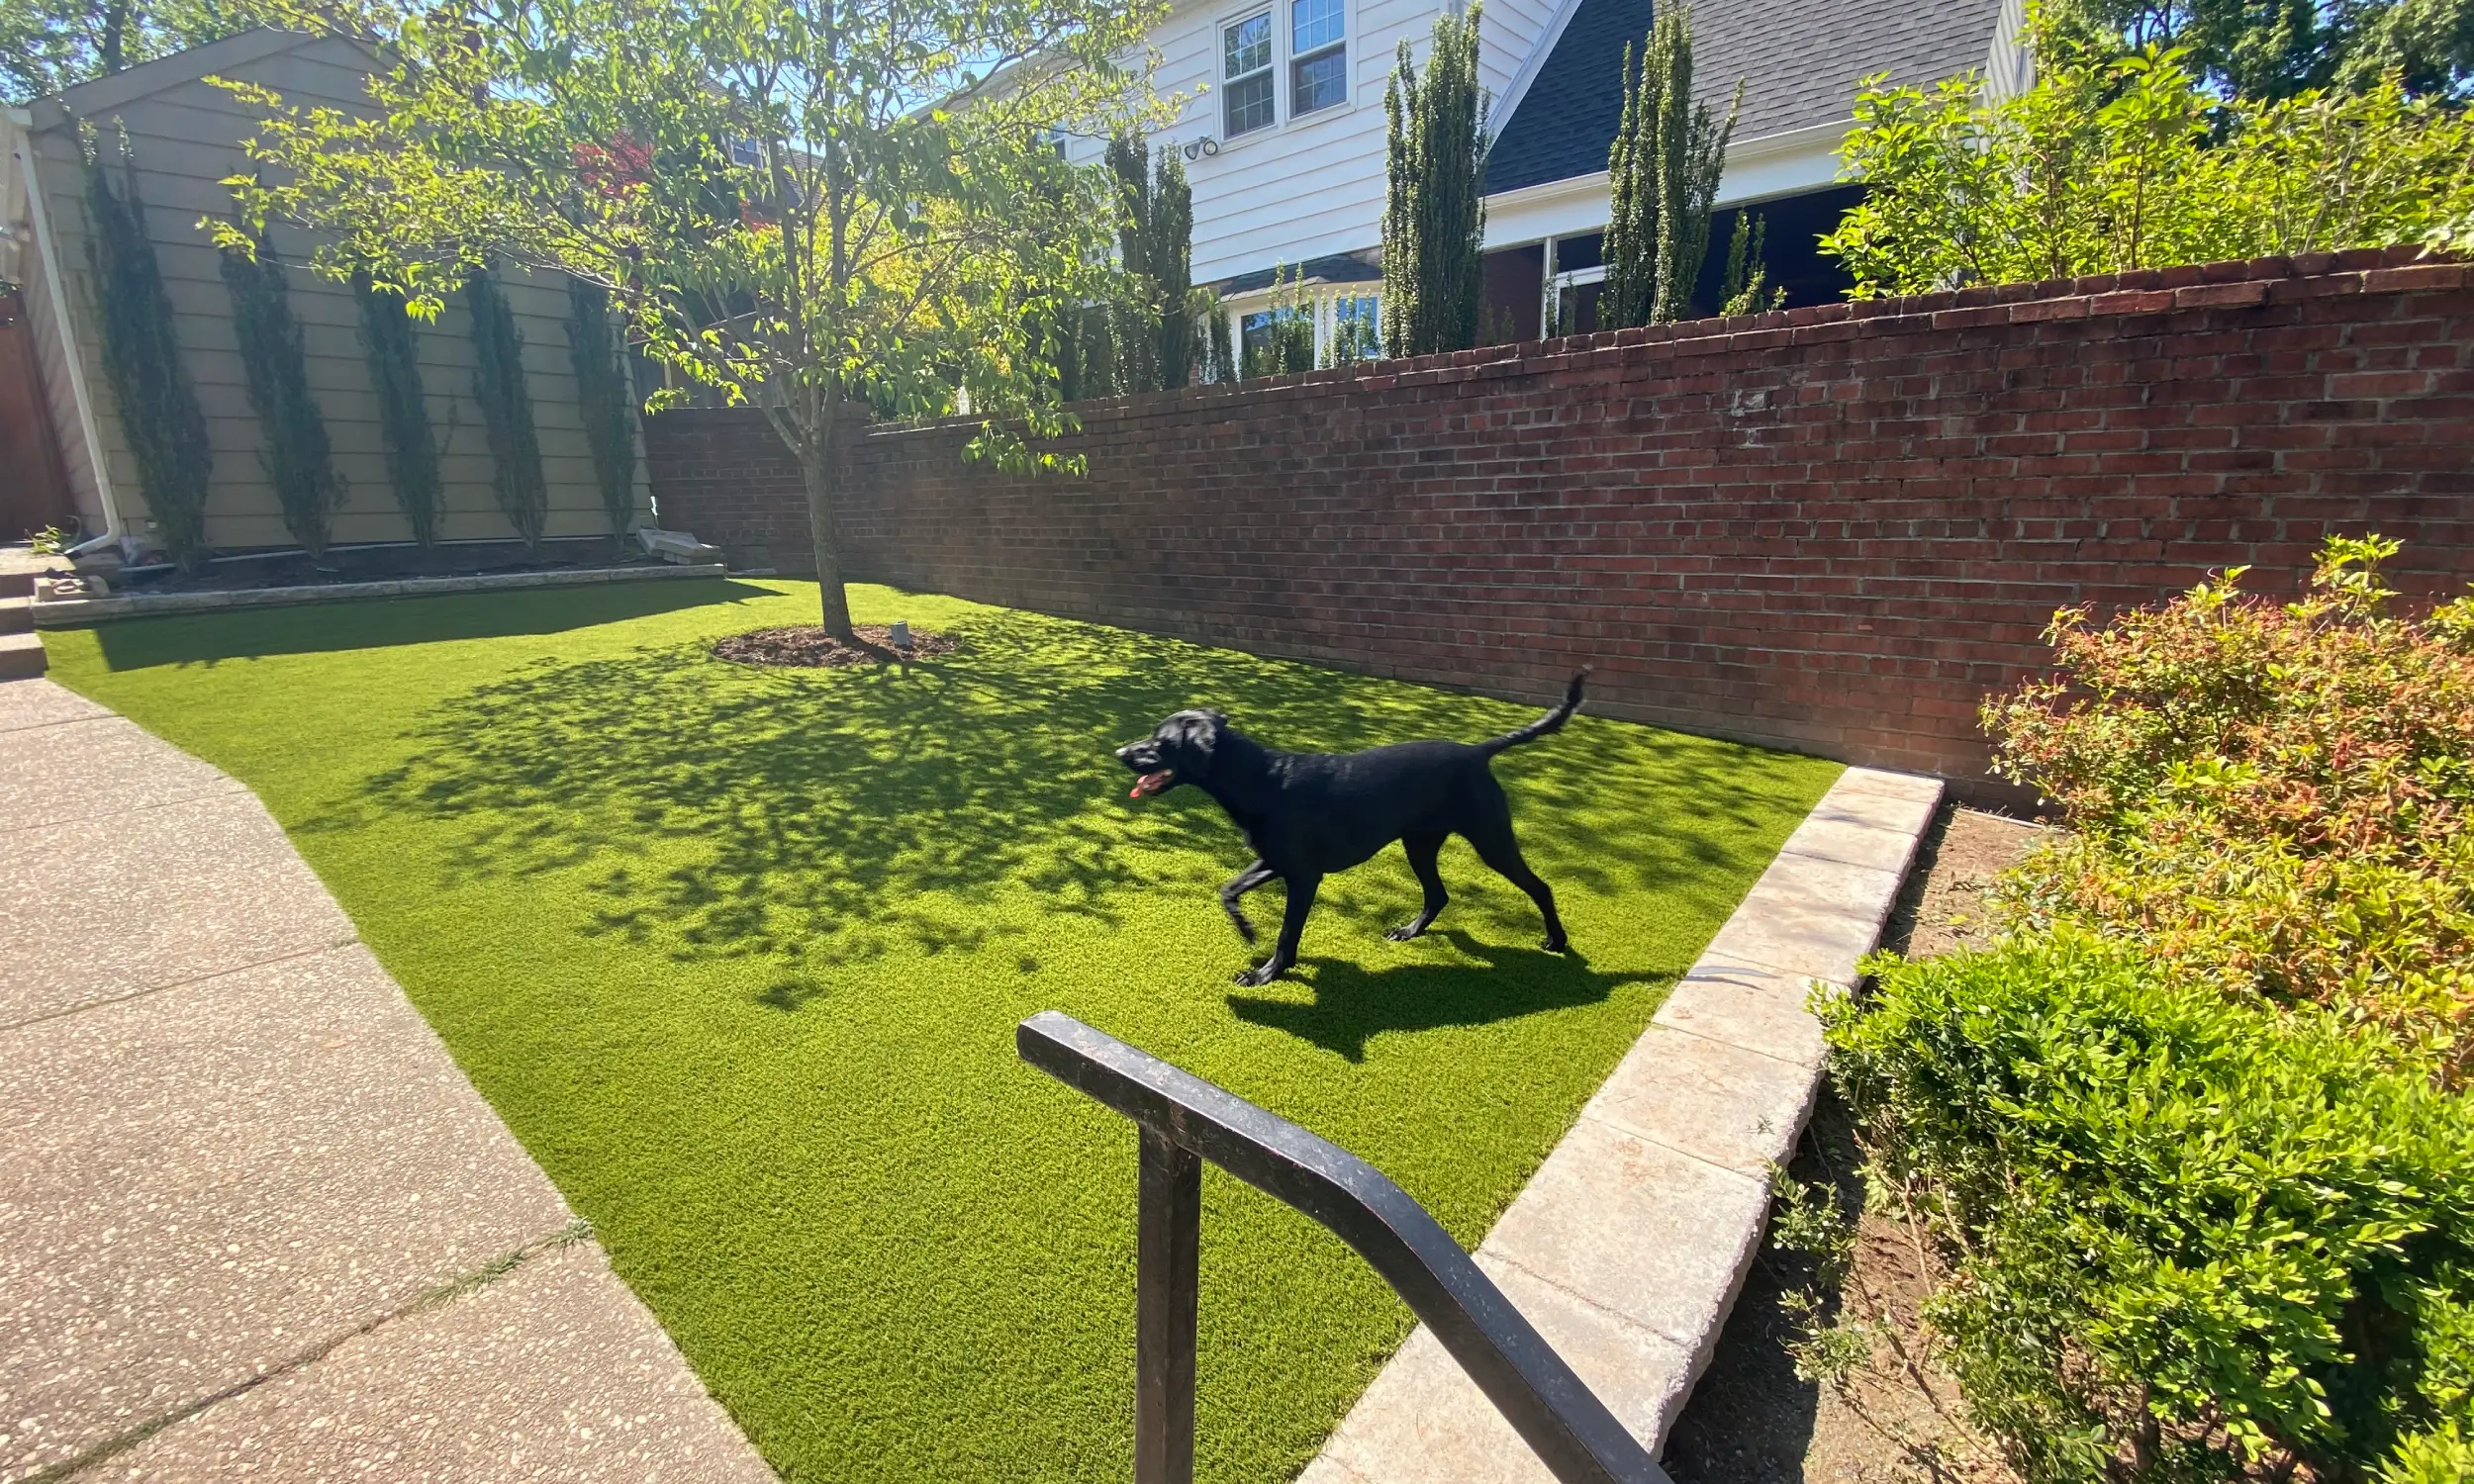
(1800, 61)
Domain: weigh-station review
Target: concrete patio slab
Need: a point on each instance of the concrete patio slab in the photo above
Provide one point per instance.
(221, 890)
(50, 776)
(43, 703)
(202, 1183)
(1628, 1246)
(237, 1172)
(553, 1371)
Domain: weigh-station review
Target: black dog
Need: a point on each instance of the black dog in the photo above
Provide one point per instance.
(1309, 814)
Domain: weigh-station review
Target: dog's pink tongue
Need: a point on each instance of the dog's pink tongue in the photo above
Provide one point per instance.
(1149, 784)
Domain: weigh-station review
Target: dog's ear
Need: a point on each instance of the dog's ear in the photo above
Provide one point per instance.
(1201, 730)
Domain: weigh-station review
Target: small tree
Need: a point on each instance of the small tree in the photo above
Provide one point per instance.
(1288, 344)
(1168, 259)
(811, 206)
(498, 384)
(387, 344)
(151, 386)
(297, 454)
(1664, 168)
(1745, 289)
(602, 399)
(1435, 211)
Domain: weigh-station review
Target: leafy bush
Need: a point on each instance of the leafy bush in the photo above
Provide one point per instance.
(2195, 1238)
(2126, 162)
(498, 384)
(294, 451)
(2275, 799)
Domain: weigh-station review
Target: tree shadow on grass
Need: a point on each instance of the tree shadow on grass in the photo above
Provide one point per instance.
(1351, 1005)
(715, 810)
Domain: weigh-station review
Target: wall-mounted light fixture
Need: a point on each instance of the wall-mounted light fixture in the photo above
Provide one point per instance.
(1202, 147)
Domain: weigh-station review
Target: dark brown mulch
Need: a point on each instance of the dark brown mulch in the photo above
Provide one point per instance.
(809, 647)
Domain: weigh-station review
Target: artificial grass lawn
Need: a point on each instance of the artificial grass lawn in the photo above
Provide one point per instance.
(738, 954)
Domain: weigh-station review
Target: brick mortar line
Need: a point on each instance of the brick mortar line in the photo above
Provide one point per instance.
(471, 1281)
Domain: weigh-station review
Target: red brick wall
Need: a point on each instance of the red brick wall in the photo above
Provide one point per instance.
(1832, 529)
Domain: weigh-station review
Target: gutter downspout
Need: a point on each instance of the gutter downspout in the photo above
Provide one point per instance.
(38, 210)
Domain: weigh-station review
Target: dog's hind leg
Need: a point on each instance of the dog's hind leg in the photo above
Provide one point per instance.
(1497, 847)
(1302, 892)
(1422, 849)
(1238, 885)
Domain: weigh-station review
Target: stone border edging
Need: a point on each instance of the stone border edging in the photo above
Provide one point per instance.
(1627, 1247)
(63, 613)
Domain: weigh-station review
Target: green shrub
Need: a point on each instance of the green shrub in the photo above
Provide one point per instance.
(389, 347)
(2129, 162)
(602, 399)
(2195, 1238)
(294, 451)
(158, 404)
(2275, 799)
(498, 384)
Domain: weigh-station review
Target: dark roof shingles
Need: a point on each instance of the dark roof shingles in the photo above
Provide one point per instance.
(1799, 61)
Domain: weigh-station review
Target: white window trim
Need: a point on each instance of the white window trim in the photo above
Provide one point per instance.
(1284, 115)
(1221, 81)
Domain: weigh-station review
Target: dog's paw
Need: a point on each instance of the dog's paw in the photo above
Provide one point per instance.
(1557, 945)
(1404, 932)
(1257, 977)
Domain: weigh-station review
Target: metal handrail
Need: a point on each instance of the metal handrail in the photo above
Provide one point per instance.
(1185, 1120)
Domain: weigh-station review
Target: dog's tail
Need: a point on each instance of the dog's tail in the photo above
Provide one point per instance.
(1545, 725)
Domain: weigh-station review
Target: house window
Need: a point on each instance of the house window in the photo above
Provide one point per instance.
(1356, 329)
(1246, 73)
(1319, 73)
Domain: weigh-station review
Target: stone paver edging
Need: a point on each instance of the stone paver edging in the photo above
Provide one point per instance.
(63, 613)
(255, 1223)
(1627, 1247)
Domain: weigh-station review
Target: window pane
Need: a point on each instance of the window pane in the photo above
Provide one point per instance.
(1246, 48)
(1313, 25)
(1249, 103)
(1320, 81)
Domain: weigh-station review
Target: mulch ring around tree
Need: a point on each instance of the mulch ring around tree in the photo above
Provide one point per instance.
(810, 647)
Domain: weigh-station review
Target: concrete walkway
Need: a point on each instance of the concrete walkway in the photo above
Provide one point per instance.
(254, 1224)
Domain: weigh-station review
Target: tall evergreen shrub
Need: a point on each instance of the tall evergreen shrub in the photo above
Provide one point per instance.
(498, 383)
(1169, 248)
(601, 397)
(1434, 213)
(388, 344)
(295, 450)
(158, 407)
(1664, 170)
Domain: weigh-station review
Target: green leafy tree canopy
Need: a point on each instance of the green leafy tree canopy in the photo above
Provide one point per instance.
(2133, 162)
(810, 206)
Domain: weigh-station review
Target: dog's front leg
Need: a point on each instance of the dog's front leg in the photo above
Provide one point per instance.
(1238, 885)
(1301, 889)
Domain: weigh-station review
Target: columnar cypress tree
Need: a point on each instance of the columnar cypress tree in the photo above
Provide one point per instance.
(1169, 255)
(498, 384)
(1133, 338)
(1664, 164)
(1435, 214)
(601, 397)
(388, 345)
(298, 455)
(1746, 288)
(151, 388)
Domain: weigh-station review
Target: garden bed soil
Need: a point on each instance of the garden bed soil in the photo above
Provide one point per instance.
(379, 564)
(1751, 1420)
(809, 647)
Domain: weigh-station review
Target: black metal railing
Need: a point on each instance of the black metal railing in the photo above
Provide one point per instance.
(1184, 1121)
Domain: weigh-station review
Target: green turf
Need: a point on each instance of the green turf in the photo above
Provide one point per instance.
(738, 955)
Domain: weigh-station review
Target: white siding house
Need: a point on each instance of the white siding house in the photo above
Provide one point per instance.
(1282, 130)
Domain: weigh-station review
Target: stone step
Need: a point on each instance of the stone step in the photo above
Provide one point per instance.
(17, 584)
(17, 614)
(21, 656)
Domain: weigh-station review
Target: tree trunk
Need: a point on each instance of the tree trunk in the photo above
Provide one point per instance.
(815, 467)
